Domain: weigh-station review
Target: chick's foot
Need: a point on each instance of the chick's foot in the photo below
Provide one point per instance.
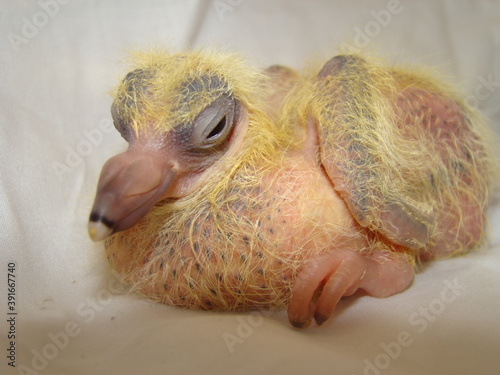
(326, 278)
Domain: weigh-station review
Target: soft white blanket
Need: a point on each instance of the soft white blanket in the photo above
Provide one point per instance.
(58, 61)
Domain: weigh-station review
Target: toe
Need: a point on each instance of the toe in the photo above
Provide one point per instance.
(308, 286)
(344, 281)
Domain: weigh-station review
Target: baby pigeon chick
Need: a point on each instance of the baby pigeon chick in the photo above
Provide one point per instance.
(243, 189)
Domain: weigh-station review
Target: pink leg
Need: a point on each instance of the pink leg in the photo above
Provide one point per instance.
(328, 277)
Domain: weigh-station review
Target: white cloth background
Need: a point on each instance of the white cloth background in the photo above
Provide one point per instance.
(58, 61)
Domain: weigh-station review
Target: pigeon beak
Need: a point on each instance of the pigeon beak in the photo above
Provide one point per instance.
(130, 184)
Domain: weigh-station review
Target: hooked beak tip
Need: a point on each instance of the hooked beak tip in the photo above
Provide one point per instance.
(99, 231)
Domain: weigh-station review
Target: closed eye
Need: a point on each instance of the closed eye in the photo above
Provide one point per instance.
(213, 125)
(218, 129)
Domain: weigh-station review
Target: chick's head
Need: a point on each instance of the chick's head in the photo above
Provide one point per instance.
(180, 114)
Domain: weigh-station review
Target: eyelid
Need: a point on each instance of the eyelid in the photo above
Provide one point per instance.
(209, 118)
